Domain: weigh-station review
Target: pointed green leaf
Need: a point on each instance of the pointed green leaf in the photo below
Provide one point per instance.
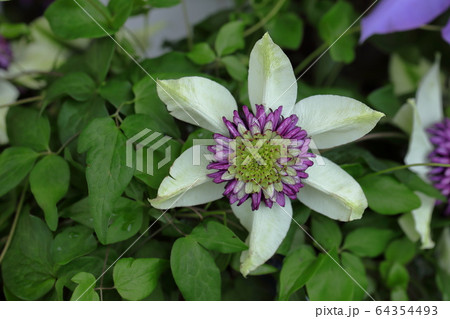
(27, 269)
(215, 236)
(26, 127)
(49, 182)
(106, 173)
(367, 241)
(135, 279)
(230, 38)
(71, 243)
(194, 270)
(15, 163)
(85, 289)
(298, 267)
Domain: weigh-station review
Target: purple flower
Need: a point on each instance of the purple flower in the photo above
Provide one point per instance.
(402, 15)
(264, 158)
(5, 54)
(440, 176)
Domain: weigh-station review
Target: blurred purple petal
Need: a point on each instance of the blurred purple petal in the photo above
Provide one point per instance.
(401, 15)
(446, 32)
(5, 53)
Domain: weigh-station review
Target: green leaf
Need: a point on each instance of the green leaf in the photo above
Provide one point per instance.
(443, 282)
(264, 269)
(387, 196)
(49, 182)
(87, 18)
(286, 30)
(13, 30)
(230, 38)
(326, 232)
(71, 243)
(125, 220)
(215, 236)
(199, 133)
(235, 67)
(75, 116)
(77, 85)
(384, 100)
(27, 270)
(401, 250)
(148, 102)
(415, 183)
(71, 20)
(201, 54)
(194, 270)
(106, 173)
(399, 294)
(394, 274)
(318, 286)
(297, 268)
(79, 212)
(367, 241)
(91, 264)
(354, 266)
(116, 92)
(135, 123)
(85, 289)
(333, 25)
(26, 127)
(15, 164)
(163, 3)
(120, 11)
(135, 279)
(99, 56)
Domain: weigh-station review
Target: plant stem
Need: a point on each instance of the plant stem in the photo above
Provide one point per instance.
(429, 27)
(70, 140)
(23, 101)
(397, 168)
(190, 36)
(299, 68)
(101, 11)
(103, 270)
(266, 19)
(14, 224)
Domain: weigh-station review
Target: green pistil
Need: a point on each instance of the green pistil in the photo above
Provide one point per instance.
(255, 161)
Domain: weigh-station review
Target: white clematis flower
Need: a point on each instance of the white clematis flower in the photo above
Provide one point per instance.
(8, 94)
(414, 118)
(260, 185)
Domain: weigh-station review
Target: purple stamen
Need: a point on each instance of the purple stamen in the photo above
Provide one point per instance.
(264, 158)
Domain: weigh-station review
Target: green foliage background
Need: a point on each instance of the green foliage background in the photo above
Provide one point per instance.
(70, 208)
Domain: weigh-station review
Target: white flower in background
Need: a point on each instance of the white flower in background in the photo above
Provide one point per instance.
(247, 169)
(415, 118)
(8, 94)
(39, 53)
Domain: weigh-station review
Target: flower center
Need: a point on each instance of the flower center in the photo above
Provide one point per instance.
(264, 159)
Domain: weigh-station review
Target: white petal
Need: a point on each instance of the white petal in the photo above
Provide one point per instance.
(419, 145)
(416, 224)
(271, 79)
(188, 184)
(422, 220)
(42, 53)
(198, 101)
(333, 120)
(443, 250)
(267, 227)
(429, 98)
(404, 118)
(8, 94)
(331, 191)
